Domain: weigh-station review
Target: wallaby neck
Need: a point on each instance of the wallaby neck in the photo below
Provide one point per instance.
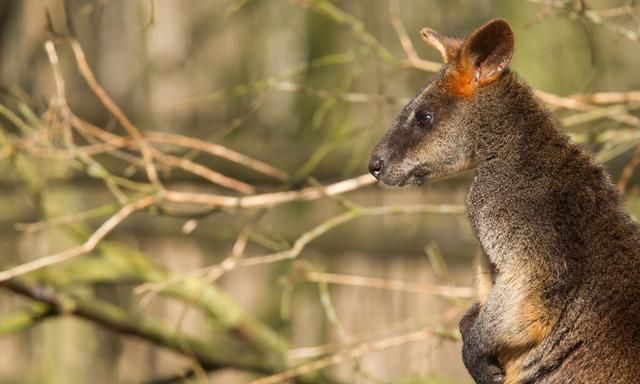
(518, 131)
(536, 190)
(523, 160)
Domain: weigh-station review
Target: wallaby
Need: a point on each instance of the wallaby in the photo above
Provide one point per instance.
(559, 279)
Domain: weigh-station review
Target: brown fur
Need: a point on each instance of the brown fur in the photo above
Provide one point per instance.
(460, 82)
(560, 272)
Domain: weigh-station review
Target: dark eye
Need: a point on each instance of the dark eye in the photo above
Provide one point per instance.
(424, 119)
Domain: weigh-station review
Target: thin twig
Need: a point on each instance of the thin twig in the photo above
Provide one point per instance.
(186, 164)
(60, 101)
(179, 162)
(404, 326)
(84, 248)
(339, 16)
(208, 355)
(15, 119)
(29, 146)
(592, 114)
(412, 56)
(113, 108)
(236, 252)
(66, 219)
(268, 199)
(590, 15)
(349, 354)
(608, 97)
(348, 97)
(335, 221)
(204, 172)
(217, 150)
(395, 285)
(628, 170)
(331, 315)
(302, 241)
(579, 105)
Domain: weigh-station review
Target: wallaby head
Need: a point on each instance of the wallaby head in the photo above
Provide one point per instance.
(435, 134)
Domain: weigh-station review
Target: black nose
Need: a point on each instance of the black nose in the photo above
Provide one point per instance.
(375, 166)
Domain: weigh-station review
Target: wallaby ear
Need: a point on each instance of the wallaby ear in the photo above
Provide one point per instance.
(488, 50)
(485, 53)
(447, 46)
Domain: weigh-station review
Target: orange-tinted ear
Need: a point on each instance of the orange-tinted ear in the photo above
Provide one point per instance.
(447, 46)
(483, 56)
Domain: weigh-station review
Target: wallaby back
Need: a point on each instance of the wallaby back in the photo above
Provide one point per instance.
(561, 257)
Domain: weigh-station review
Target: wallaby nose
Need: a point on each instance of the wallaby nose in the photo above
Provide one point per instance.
(375, 166)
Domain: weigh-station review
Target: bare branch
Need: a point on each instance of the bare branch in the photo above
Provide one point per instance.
(84, 248)
(412, 56)
(204, 172)
(576, 104)
(395, 285)
(628, 169)
(609, 97)
(268, 199)
(348, 354)
(323, 228)
(67, 219)
(339, 16)
(217, 150)
(233, 263)
(577, 10)
(113, 108)
(24, 319)
(100, 312)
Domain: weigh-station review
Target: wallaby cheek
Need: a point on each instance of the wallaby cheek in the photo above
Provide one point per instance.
(442, 156)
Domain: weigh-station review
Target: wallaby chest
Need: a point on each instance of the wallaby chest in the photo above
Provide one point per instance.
(498, 218)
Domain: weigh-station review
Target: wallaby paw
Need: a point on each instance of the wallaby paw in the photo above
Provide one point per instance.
(495, 374)
(486, 371)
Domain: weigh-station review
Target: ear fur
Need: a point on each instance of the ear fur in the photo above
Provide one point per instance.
(447, 46)
(484, 55)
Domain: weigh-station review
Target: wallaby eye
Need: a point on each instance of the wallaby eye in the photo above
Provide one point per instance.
(424, 119)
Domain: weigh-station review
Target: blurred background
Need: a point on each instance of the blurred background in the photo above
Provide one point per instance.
(177, 291)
